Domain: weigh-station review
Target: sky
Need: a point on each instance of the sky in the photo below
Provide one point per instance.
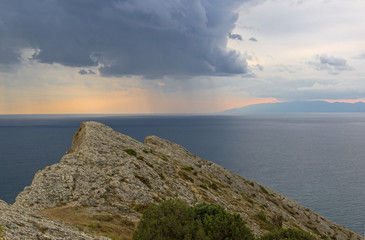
(177, 56)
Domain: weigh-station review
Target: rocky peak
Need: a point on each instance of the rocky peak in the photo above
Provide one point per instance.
(93, 135)
(106, 172)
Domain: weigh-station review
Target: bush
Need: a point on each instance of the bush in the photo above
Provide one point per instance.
(174, 219)
(287, 234)
(1, 232)
(261, 215)
(130, 152)
(171, 220)
(214, 186)
(188, 168)
(219, 224)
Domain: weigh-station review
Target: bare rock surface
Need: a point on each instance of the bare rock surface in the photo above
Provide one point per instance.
(20, 224)
(111, 173)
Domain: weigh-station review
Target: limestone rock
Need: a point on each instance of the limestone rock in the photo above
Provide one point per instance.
(112, 173)
(20, 223)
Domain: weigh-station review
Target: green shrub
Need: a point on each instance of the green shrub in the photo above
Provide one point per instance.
(130, 152)
(171, 220)
(219, 224)
(213, 186)
(186, 176)
(264, 190)
(144, 180)
(161, 176)
(148, 164)
(1, 233)
(287, 234)
(261, 215)
(248, 199)
(174, 219)
(188, 168)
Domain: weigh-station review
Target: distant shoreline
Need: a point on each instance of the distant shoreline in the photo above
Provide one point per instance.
(298, 107)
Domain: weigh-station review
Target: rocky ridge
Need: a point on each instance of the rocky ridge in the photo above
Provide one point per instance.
(106, 173)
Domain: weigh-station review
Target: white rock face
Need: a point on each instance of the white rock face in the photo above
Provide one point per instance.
(113, 173)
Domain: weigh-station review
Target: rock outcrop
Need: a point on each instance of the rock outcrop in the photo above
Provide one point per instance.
(106, 173)
(20, 224)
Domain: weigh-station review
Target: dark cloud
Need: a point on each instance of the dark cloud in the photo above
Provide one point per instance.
(8, 56)
(84, 72)
(124, 37)
(332, 64)
(253, 39)
(235, 36)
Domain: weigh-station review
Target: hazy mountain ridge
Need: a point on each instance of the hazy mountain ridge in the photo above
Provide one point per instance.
(108, 176)
(298, 107)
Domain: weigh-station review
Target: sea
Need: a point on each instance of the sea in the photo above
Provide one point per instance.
(316, 159)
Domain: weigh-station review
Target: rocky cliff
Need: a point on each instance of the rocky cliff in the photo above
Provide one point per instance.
(107, 178)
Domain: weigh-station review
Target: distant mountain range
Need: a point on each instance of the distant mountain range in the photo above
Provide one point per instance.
(297, 107)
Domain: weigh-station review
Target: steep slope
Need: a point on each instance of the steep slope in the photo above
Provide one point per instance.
(106, 173)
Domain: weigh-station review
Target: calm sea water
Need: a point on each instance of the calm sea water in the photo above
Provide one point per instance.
(318, 160)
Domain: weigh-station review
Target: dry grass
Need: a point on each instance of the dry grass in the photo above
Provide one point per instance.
(108, 225)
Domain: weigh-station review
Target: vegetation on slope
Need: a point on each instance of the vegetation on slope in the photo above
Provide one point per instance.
(175, 220)
(1, 232)
(287, 234)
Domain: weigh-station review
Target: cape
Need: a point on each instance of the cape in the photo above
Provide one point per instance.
(106, 179)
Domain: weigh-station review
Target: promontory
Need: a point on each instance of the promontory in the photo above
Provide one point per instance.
(106, 179)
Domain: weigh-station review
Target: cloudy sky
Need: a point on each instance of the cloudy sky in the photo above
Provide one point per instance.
(177, 56)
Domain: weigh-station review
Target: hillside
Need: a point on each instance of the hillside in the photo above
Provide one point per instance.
(106, 179)
(297, 107)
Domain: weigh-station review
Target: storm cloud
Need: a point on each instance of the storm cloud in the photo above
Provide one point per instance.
(252, 39)
(85, 72)
(150, 38)
(332, 64)
(235, 36)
